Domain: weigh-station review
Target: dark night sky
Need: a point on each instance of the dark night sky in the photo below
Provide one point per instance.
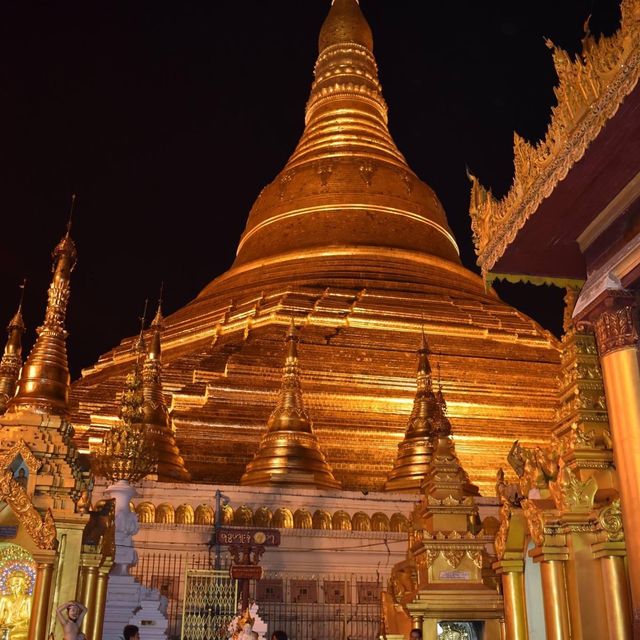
(168, 118)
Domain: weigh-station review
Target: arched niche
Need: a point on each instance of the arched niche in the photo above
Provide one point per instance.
(282, 518)
(321, 519)
(227, 514)
(399, 523)
(262, 517)
(243, 516)
(17, 582)
(203, 515)
(380, 522)
(184, 514)
(165, 514)
(341, 521)
(302, 519)
(145, 511)
(361, 521)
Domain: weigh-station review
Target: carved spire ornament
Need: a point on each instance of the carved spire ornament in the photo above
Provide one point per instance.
(44, 382)
(126, 451)
(346, 183)
(157, 424)
(12, 357)
(289, 452)
(414, 452)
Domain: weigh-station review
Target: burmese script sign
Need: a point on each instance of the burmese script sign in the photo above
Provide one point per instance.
(240, 535)
(246, 571)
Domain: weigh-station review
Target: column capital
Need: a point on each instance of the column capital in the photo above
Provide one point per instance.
(508, 566)
(613, 314)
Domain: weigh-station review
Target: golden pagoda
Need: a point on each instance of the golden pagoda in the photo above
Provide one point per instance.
(414, 452)
(12, 358)
(289, 452)
(350, 242)
(157, 424)
(45, 381)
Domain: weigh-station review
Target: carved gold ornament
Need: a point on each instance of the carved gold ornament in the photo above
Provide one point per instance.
(610, 519)
(616, 328)
(41, 530)
(535, 521)
(590, 90)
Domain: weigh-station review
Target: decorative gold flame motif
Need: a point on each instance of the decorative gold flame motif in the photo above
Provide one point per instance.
(157, 426)
(44, 383)
(346, 182)
(289, 452)
(590, 90)
(127, 451)
(11, 359)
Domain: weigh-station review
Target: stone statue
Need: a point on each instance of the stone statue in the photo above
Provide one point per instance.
(15, 607)
(22, 479)
(72, 623)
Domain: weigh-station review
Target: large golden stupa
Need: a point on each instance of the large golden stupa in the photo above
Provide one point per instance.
(354, 247)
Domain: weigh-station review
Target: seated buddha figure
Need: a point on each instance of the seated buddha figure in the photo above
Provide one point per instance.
(15, 607)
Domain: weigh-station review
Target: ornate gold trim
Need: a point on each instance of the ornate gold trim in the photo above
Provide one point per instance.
(616, 326)
(41, 530)
(20, 448)
(589, 93)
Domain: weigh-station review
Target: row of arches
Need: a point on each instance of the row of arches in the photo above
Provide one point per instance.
(281, 518)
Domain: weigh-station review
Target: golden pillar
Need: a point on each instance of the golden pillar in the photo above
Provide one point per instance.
(100, 598)
(615, 325)
(616, 589)
(88, 588)
(554, 591)
(515, 607)
(39, 623)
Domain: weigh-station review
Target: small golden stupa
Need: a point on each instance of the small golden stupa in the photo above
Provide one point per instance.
(349, 241)
(289, 452)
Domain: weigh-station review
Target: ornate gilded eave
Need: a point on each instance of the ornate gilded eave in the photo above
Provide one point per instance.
(591, 88)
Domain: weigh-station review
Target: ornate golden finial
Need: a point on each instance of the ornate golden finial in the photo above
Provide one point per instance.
(127, 451)
(12, 357)
(169, 462)
(289, 452)
(44, 382)
(414, 452)
(346, 165)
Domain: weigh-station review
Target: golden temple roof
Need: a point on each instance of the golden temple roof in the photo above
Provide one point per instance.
(44, 381)
(590, 90)
(346, 183)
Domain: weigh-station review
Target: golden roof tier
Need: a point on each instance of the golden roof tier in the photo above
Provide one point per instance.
(44, 381)
(362, 303)
(289, 452)
(346, 182)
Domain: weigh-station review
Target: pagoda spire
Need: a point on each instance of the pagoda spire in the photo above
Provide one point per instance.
(12, 357)
(346, 182)
(414, 452)
(170, 464)
(289, 452)
(43, 386)
(445, 476)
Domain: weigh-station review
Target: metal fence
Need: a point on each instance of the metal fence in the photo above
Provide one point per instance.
(341, 607)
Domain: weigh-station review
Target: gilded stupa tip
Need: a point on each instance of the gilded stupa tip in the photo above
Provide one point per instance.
(157, 325)
(44, 381)
(17, 322)
(345, 23)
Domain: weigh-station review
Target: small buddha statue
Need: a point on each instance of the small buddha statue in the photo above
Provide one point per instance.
(15, 607)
